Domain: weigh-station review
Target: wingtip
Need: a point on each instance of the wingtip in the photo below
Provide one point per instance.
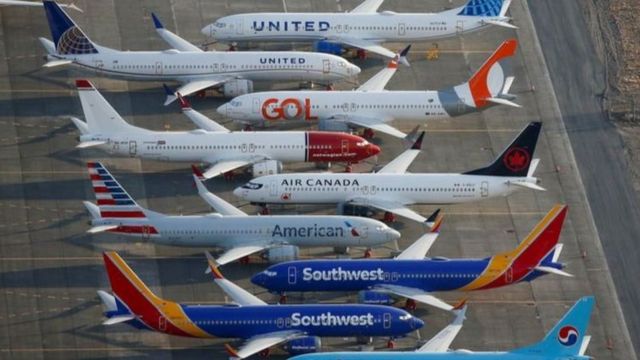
(435, 220)
(417, 145)
(213, 266)
(405, 51)
(231, 350)
(460, 305)
(156, 21)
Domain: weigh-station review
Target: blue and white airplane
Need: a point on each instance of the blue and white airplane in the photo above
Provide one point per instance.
(566, 341)
(362, 28)
(261, 326)
(412, 276)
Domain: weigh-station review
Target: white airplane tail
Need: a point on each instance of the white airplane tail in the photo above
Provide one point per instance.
(101, 117)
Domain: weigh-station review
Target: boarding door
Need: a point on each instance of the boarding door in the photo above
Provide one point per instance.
(402, 30)
(292, 275)
(146, 232)
(508, 275)
(273, 189)
(162, 323)
(345, 147)
(387, 321)
(326, 66)
(484, 189)
(158, 68)
(98, 65)
(256, 105)
(460, 27)
(133, 148)
(239, 27)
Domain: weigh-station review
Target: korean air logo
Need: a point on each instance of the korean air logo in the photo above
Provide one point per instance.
(568, 335)
(354, 232)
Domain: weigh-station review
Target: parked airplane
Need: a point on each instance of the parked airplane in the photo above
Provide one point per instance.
(374, 108)
(230, 228)
(391, 189)
(215, 145)
(566, 341)
(362, 28)
(412, 276)
(232, 72)
(259, 325)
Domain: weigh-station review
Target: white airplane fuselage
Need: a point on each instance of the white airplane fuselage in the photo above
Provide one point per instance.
(404, 189)
(386, 26)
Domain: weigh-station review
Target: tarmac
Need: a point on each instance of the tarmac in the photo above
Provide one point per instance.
(50, 268)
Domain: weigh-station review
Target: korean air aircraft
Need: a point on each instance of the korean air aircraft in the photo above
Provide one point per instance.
(232, 72)
(567, 340)
(374, 108)
(412, 276)
(222, 150)
(230, 228)
(363, 27)
(392, 189)
(259, 325)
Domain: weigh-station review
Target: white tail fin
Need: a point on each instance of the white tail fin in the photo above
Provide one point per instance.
(101, 117)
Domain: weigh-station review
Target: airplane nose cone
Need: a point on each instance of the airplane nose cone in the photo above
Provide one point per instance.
(259, 279)
(207, 30)
(416, 323)
(354, 69)
(238, 192)
(393, 234)
(222, 109)
(373, 149)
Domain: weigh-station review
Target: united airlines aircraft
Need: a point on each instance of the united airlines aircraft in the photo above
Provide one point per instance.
(363, 27)
(259, 325)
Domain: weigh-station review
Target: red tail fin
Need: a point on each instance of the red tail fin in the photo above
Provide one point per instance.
(484, 83)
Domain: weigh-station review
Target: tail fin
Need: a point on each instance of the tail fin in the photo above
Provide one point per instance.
(156, 313)
(489, 84)
(482, 8)
(67, 36)
(101, 117)
(515, 160)
(567, 338)
(113, 201)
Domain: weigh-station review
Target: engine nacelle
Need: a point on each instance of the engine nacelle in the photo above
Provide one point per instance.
(305, 345)
(327, 47)
(375, 298)
(237, 87)
(333, 125)
(354, 210)
(282, 254)
(267, 167)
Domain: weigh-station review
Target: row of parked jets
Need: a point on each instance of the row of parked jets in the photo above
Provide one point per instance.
(392, 189)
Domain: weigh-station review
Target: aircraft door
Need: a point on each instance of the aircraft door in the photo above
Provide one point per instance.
(508, 275)
(158, 67)
(162, 323)
(326, 66)
(402, 30)
(460, 27)
(256, 105)
(252, 147)
(146, 232)
(292, 275)
(345, 147)
(98, 65)
(239, 27)
(133, 148)
(387, 320)
(484, 189)
(273, 188)
(216, 67)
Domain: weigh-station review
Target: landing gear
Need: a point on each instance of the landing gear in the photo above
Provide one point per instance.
(247, 127)
(201, 94)
(389, 217)
(368, 134)
(330, 87)
(391, 344)
(368, 253)
(264, 210)
(229, 175)
(410, 305)
(244, 260)
(361, 54)
(348, 168)
(233, 46)
(265, 353)
(283, 299)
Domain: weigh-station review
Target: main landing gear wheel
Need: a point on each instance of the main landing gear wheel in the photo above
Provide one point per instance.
(389, 217)
(368, 253)
(410, 305)
(368, 134)
(229, 175)
(264, 210)
(391, 344)
(244, 260)
(348, 168)
(361, 54)
(283, 299)
(265, 353)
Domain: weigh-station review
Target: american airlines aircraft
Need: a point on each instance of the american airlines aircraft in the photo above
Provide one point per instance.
(567, 340)
(363, 27)
(392, 189)
(212, 144)
(374, 108)
(411, 275)
(298, 328)
(241, 235)
(233, 72)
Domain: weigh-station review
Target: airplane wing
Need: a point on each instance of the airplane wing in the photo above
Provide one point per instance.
(258, 343)
(215, 202)
(376, 124)
(239, 295)
(415, 294)
(418, 250)
(365, 45)
(223, 166)
(172, 39)
(238, 252)
(368, 6)
(442, 341)
(198, 118)
(390, 206)
(380, 80)
(194, 86)
(401, 163)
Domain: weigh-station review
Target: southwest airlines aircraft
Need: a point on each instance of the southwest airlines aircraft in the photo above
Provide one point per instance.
(374, 108)
(233, 72)
(231, 228)
(363, 27)
(566, 341)
(392, 189)
(214, 145)
(412, 276)
(259, 325)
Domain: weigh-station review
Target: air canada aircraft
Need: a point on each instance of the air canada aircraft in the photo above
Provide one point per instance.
(241, 235)
(412, 276)
(372, 107)
(392, 188)
(213, 144)
(260, 325)
(232, 72)
(362, 28)
(567, 340)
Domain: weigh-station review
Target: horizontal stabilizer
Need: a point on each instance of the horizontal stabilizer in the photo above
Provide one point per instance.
(552, 270)
(55, 63)
(81, 125)
(501, 23)
(101, 228)
(88, 144)
(527, 185)
(585, 344)
(118, 319)
(501, 101)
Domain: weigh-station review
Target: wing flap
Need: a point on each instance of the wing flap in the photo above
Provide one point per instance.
(215, 202)
(441, 342)
(367, 6)
(415, 294)
(224, 166)
(238, 252)
(390, 206)
(192, 87)
(258, 343)
(374, 124)
(239, 295)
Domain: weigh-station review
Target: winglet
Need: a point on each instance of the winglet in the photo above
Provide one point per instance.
(403, 55)
(460, 305)
(435, 221)
(184, 104)
(171, 95)
(156, 21)
(213, 267)
(231, 350)
(197, 173)
(411, 137)
(417, 145)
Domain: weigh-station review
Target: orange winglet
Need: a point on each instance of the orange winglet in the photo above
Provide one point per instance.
(436, 225)
(230, 350)
(460, 304)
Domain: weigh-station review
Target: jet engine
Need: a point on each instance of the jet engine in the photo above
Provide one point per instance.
(282, 254)
(237, 87)
(333, 125)
(327, 47)
(374, 298)
(305, 345)
(267, 167)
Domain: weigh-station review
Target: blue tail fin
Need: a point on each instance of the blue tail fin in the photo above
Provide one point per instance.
(567, 337)
(482, 8)
(67, 36)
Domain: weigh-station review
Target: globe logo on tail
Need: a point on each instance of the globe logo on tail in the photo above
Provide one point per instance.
(516, 159)
(568, 335)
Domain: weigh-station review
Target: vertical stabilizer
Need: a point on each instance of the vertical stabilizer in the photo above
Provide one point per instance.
(68, 38)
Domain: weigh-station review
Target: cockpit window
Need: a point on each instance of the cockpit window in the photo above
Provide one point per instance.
(252, 186)
(219, 25)
(405, 317)
(362, 143)
(236, 103)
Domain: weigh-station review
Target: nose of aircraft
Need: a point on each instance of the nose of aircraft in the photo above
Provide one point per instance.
(259, 279)
(393, 234)
(207, 30)
(222, 109)
(238, 192)
(354, 70)
(416, 323)
(373, 149)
